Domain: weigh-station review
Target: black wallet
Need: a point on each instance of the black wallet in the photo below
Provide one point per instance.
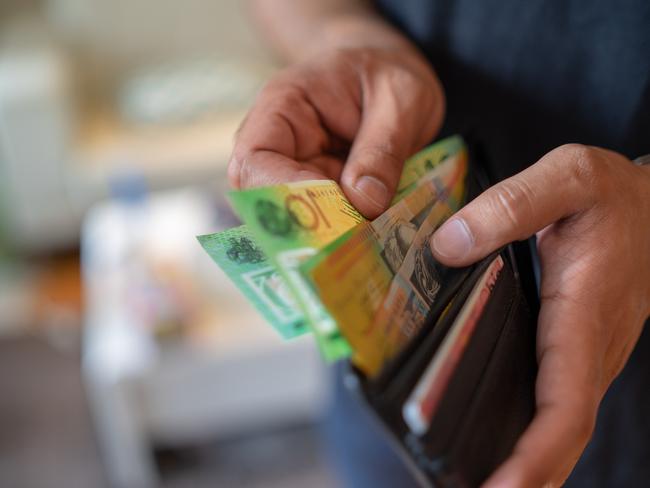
(489, 399)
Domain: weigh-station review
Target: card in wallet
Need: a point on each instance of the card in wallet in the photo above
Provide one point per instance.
(461, 392)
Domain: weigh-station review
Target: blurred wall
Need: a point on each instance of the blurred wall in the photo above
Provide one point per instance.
(63, 62)
(13, 7)
(114, 36)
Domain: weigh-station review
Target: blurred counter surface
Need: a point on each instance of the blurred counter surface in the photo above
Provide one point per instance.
(172, 353)
(115, 117)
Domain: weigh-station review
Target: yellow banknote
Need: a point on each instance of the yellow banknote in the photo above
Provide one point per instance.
(353, 274)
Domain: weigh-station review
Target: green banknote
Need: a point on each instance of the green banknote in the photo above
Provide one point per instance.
(294, 222)
(236, 253)
(291, 222)
(424, 161)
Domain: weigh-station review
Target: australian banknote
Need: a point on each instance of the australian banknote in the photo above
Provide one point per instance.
(290, 226)
(353, 274)
(424, 161)
(290, 223)
(237, 254)
(412, 291)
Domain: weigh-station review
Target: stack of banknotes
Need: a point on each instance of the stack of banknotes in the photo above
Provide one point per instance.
(309, 262)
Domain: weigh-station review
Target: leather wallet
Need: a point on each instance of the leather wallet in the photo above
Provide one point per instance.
(489, 398)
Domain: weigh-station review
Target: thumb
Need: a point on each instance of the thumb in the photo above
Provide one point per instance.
(391, 130)
(556, 187)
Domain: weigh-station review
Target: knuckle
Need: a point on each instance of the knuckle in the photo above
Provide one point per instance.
(356, 58)
(287, 96)
(588, 168)
(282, 90)
(380, 158)
(513, 199)
(269, 90)
(401, 75)
(571, 149)
(410, 93)
(278, 81)
(584, 164)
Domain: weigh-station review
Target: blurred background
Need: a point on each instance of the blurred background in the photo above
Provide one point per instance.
(126, 357)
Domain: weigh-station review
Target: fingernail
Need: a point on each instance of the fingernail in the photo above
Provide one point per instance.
(374, 190)
(453, 239)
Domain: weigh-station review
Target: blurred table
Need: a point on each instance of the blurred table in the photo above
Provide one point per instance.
(172, 353)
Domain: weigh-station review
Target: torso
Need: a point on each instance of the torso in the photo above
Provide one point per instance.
(525, 77)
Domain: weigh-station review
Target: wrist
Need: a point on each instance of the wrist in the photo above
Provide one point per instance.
(300, 30)
(353, 31)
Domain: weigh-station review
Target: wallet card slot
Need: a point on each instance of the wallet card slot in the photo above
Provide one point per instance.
(399, 377)
(459, 393)
(504, 401)
(395, 366)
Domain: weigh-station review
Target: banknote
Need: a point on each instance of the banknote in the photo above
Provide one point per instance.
(424, 161)
(422, 403)
(293, 221)
(290, 223)
(354, 273)
(396, 227)
(237, 254)
(387, 306)
(412, 291)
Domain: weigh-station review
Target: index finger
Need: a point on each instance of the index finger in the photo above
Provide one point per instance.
(264, 168)
(307, 115)
(282, 123)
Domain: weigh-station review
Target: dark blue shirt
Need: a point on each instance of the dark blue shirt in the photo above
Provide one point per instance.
(525, 76)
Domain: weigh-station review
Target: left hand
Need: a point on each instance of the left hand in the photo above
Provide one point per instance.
(350, 114)
(590, 208)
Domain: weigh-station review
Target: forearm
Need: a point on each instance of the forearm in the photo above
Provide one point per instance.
(300, 28)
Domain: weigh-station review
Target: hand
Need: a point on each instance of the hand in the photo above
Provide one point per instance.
(353, 115)
(591, 210)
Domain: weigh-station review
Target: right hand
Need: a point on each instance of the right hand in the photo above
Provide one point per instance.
(352, 115)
